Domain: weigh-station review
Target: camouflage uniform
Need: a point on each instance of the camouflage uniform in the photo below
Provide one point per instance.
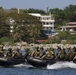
(17, 54)
(9, 53)
(61, 54)
(70, 55)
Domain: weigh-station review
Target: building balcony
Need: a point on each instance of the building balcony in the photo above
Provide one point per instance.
(47, 20)
(48, 25)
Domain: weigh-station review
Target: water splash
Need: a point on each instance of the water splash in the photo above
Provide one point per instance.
(60, 65)
(57, 65)
(23, 65)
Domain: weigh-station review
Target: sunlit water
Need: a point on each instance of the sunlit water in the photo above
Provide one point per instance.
(59, 68)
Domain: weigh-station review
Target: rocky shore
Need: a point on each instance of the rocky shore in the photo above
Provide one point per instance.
(25, 46)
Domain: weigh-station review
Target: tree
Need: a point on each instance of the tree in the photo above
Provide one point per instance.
(1, 8)
(64, 35)
(70, 12)
(32, 10)
(4, 30)
(59, 16)
(25, 25)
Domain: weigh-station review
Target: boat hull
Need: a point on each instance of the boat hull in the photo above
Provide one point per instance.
(36, 62)
(10, 62)
(74, 61)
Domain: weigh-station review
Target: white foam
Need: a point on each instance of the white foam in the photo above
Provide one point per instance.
(23, 65)
(60, 65)
(19, 65)
(57, 65)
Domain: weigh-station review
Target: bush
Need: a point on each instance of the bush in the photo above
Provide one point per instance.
(6, 39)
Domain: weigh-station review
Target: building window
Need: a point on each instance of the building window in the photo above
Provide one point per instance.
(43, 23)
(39, 18)
(50, 22)
(44, 18)
(47, 23)
(47, 27)
(48, 18)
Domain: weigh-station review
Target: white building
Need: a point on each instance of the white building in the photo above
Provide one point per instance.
(71, 27)
(47, 22)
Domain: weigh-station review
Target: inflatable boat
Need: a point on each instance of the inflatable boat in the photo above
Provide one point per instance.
(74, 61)
(11, 61)
(37, 62)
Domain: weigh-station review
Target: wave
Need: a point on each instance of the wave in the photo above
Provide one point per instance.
(57, 65)
(60, 65)
(23, 65)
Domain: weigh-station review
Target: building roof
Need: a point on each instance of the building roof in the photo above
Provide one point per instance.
(35, 14)
(68, 27)
(71, 23)
(40, 41)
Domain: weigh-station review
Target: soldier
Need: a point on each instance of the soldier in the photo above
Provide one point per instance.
(70, 55)
(74, 49)
(35, 53)
(27, 53)
(61, 54)
(17, 54)
(9, 53)
(1, 51)
(74, 58)
(49, 54)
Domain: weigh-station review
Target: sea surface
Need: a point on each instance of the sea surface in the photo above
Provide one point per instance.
(59, 68)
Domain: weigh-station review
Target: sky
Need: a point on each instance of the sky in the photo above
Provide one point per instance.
(36, 4)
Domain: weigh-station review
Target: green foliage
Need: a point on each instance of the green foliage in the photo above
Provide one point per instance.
(59, 16)
(1, 8)
(25, 27)
(4, 29)
(71, 12)
(32, 10)
(29, 28)
(63, 36)
(6, 39)
(68, 14)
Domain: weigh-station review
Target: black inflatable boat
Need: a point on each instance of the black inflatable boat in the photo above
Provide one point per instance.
(11, 61)
(37, 62)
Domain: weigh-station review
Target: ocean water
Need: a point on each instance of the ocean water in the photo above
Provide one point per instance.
(59, 68)
(24, 71)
